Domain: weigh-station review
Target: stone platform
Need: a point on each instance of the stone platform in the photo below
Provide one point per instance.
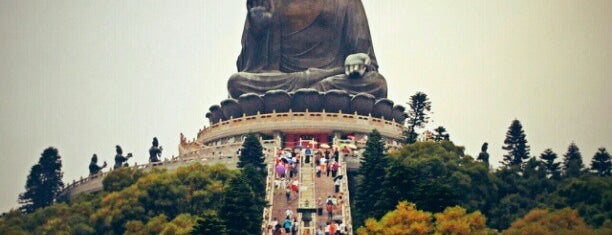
(224, 137)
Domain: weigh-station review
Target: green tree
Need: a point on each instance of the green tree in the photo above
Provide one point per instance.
(516, 145)
(121, 178)
(253, 167)
(44, 182)
(252, 153)
(371, 174)
(590, 195)
(241, 208)
(572, 161)
(553, 168)
(534, 179)
(418, 115)
(441, 134)
(209, 223)
(601, 164)
(436, 175)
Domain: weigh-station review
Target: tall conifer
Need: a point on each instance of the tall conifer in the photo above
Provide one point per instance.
(601, 162)
(572, 161)
(241, 208)
(553, 168)
(44, 182)
(252, 153)
(371, 174)
(516, 145)
(418, 115)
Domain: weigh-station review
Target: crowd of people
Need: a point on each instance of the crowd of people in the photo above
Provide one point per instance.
(286, 180)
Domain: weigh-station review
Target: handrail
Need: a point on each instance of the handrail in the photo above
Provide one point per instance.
(164, 163)
(346, 199)
(267, 212)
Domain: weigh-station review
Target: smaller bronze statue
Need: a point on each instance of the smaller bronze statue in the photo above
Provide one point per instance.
(120, 160)
(93, 165)
(484, 156)
(155, 151)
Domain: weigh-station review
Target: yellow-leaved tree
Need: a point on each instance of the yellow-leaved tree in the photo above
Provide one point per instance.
(406, 219)
(455, 220)
(542, 222)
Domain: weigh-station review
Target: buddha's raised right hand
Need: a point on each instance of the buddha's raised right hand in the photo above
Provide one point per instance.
(260, 16)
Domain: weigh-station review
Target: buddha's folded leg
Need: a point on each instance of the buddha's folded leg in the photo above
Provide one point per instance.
(245, 82)
(371, 83)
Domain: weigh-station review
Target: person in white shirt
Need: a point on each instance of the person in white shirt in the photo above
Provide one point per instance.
(337, 185)
(289, 212)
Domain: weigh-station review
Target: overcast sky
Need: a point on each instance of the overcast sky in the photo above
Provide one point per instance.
(84, 76)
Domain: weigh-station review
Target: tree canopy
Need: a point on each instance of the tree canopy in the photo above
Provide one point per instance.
(601, 163)
(370, 174)
(516, 145)
(418, 115)
(572, 161)
(44, 181)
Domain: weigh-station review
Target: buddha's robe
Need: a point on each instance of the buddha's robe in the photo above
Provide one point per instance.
(307, 51)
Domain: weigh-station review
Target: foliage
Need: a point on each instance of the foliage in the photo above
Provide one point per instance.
(441, 134)
(406, 219)
(438, 175)
(241, 209)
(210, 223)
(44, 182)
(252, 153)
(601, 164)
(455, 220)
(159, 202)
(435, 176)
(418, 115)
(590, 195)
(572, 161)
(541, 221)
(120, 178)
(370, 174)
(516, 145)
(553, 168)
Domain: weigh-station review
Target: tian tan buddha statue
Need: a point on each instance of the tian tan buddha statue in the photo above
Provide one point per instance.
(320, 44)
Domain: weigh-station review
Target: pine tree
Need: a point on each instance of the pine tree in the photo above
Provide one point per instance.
(601, 162)
(572, 161)
(252, 165)
(553, 168)
(371, 174)
(516, 145)
(241, 208)
(252, 153)
(210, 223)
(441, 134)
(418, 115)
(256, 179)
(44, 182)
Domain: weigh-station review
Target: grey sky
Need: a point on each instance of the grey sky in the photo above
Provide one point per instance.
(84, 76)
